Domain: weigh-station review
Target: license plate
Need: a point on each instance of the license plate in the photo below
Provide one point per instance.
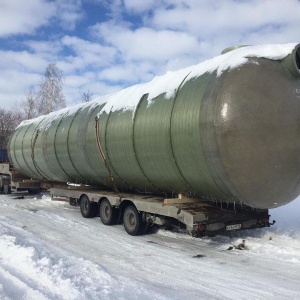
(233, 227)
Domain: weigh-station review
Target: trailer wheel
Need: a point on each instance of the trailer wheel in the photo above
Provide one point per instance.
(132, 220)
(107, 213)
(87, 208)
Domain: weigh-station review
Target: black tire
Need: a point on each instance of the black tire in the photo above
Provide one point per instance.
(87, 208)
(132, 220)
(107, 213)
(145, 228)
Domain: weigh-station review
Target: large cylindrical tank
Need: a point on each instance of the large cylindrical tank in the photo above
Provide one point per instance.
(225, 129)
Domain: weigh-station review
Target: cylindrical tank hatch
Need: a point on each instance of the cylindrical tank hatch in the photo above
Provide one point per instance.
(231, 48)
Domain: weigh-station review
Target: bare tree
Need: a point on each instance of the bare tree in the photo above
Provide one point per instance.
(50, 94)
(30, 105)
(9, 119)
(86, 97)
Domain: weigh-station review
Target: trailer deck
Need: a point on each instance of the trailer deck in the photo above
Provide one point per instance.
(199, 216)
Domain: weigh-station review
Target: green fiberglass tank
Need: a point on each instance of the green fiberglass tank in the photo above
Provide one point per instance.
(226, 129)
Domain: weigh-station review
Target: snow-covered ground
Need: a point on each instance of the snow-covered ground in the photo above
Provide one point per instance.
(48, 251)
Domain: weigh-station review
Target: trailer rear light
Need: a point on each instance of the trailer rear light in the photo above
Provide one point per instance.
(202, 227)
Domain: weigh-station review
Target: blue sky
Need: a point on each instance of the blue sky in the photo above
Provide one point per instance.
(103, 46)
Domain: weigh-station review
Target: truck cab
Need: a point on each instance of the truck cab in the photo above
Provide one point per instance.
(5, 178)
(5, 184)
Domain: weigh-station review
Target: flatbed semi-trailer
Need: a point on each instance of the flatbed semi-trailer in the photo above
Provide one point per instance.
(12, 180)
(138, 212)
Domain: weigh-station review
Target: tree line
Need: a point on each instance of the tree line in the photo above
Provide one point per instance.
(47, 97)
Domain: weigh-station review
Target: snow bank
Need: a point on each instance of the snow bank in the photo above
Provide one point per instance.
(33, 272)
(48, 251)
(128, 99)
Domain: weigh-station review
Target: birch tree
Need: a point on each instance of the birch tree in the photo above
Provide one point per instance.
(30, 105)
(50, 95)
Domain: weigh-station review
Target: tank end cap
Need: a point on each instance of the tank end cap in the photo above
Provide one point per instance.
(292, 61)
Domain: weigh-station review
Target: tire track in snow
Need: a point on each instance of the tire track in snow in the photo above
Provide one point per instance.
(12, 287)
(164, 269)
(33, 268)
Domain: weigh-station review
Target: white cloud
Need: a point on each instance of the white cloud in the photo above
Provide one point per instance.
(139, 6)
(99, 88)
(84, 54)
(21, 70)
(120, 51)
(75, 81)
(115, 8)
(21, 61)
(226, 20)
(14, 85)
(48, 50)
(95, 89)
(145, 52)
(89, 51)
(17, 18)
(146, 43)
(69, 12)
(127, 73)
